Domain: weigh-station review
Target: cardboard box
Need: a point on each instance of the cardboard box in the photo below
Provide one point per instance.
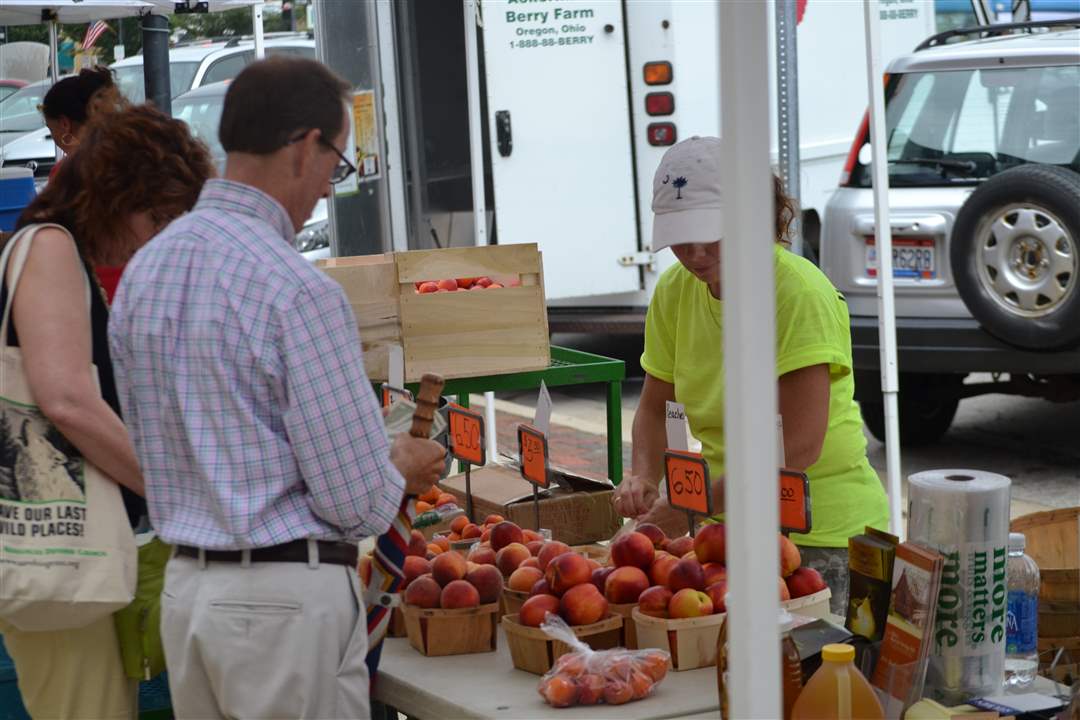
(577, 510)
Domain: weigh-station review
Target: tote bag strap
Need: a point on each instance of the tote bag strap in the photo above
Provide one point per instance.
(16, 251)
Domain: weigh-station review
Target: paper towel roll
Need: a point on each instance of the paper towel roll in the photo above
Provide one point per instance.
(964, 515)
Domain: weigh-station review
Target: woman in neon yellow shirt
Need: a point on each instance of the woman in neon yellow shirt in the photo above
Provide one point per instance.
(683, 361)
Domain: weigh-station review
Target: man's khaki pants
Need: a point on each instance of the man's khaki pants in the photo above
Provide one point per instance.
(264, 640)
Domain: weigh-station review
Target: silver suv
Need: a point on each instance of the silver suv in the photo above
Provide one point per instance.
(984, 174)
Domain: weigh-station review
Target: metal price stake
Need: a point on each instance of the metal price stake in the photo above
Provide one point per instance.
(687, 477)
(467, 446)
(533, 452)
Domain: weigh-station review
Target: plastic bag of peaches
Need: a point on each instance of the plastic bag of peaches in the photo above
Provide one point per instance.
(588, 677)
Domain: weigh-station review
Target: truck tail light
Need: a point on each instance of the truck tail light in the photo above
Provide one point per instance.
(861, 138)
(661, 133)
(660, 103)
(657, 73)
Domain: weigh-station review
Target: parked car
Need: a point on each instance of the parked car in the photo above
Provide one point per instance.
(201, 110)
(190, 66)
(7, 87)
(983, 149)
(20, 119)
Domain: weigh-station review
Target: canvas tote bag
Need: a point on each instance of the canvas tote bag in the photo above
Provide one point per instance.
(67, 552)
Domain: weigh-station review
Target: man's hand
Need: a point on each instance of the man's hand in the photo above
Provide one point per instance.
(635, 496)
(419, 460)
(667, 518)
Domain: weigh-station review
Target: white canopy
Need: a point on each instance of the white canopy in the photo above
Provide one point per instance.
(28, 12)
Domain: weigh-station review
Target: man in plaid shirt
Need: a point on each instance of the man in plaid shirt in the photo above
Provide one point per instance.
(265, 456)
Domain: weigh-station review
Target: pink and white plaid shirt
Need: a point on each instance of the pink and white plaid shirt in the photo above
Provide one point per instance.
(242, 382)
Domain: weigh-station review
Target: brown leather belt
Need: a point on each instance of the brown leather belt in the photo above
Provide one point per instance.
(333, 553)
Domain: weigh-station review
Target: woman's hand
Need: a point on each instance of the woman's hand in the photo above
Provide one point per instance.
(667, 518)
(635, 496)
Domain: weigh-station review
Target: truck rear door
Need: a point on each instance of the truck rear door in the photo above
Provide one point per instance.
(561, 145)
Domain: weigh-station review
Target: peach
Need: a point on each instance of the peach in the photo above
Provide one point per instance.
(785, 594)
(445, 499)
(654, 601)
(653, 664)
(534, 546)
(632, 549)
(680, 546)
(485, 536)
(654, 533)
(566, 571)
(530, 562)
(640, 683)
(540, 588)
(447, 285)
(714, 573)
(422, 507)
(448, 567)
(471, 531)
(487, 580)
(510, 557)
(590, 688)
(417, 544)
(482, 555)
(687, 573)
(423, 592)
(559, 691)
(790, 558)
(550, 549)
(427, 287)
(599, 577)
(625, 585)
(524, 578)
(493, 519)
(504, 533)
(414, 567)
(532, 536)
(458, 524)
(709, 543)
(459, 594)
(453, 537)
(688, 603)
(495, 285)
(442, 541)
(483, 281)
(805, 581)
(435, 548)
(617, 692)
(583, 605)
(431, 496)
(534, 609)
(717, 592)
(593, 563)
(660, 570)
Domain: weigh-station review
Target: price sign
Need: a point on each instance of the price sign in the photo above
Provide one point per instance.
(687, 476)
(533, 449)
(466, 435)
(794, 501)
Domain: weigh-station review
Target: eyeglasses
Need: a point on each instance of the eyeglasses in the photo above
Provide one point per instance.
(343, 169)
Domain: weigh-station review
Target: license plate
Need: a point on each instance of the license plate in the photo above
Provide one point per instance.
(911, 259)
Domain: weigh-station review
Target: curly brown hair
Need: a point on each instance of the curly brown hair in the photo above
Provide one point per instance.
(784, 209)
(134, 160)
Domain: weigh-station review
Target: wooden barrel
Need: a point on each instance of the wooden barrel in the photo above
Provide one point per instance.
(1053, 542)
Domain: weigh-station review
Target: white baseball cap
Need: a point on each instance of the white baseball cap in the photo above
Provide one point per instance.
(687, 194)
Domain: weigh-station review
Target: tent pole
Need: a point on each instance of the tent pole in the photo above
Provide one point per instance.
(257, 30)
(54, 50)
(890, 384)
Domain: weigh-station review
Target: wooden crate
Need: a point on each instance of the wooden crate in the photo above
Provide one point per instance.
(513, 600)
(533, 651)
(1059, 620)
(815, 606)
(626, 610)
(594, 551)
(452, 632)
(455, 334)
(1053, 542)
(691, 641)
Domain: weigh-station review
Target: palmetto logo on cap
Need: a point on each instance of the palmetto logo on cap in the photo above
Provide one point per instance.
(679, 183)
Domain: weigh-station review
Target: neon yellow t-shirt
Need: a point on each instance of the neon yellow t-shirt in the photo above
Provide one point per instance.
(683, 347)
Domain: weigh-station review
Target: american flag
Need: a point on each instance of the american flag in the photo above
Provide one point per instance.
(93, 32)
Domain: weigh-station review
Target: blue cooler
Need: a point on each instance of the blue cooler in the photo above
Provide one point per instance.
(11, 706)
(16, 192)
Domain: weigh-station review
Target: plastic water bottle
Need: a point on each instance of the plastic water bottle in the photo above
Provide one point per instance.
(1021, 628)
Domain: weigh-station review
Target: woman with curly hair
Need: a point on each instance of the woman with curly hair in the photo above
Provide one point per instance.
(135, 171)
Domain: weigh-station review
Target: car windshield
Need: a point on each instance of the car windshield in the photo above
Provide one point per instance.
(6, 90)
(130, 79)
(962, 126)
(203, 115)
(19, 111)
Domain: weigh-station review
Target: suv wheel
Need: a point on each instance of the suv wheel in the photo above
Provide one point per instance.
(927, 405)
(1015, 255)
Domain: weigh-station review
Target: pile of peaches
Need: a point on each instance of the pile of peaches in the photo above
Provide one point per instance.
(434, 498)
(610, 676)
(686, 577)
(454, 284)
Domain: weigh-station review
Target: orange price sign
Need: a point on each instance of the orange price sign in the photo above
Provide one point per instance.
(533, 449)
(794, 501)
(466, 435)
(687, 477)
